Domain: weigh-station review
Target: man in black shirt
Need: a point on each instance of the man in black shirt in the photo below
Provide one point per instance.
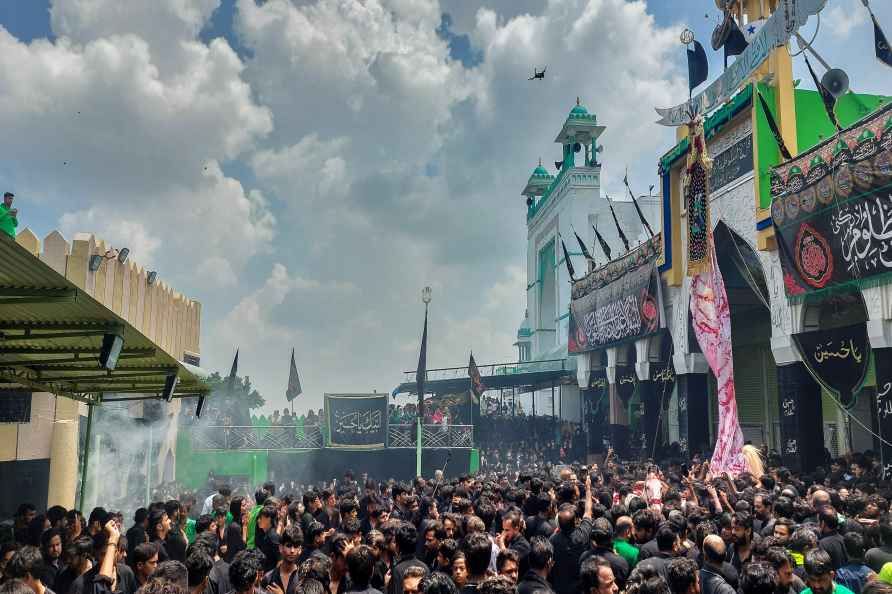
(360, 567)
(645, 531)
(570, 542)
(541, 559)
(406, 542)
(667, 545)
(266, 538)
(596, 576)
(602, 546)
(198, 567)
(683, 576)
(282, 579)
(512, 538)
(831, 540)
(711, 579)
(244, 572)
(27, 565)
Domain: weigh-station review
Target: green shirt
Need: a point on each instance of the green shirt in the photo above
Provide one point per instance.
(252, 525)
(8, 223)
(190, 530)
(837, 589)
(627, 552)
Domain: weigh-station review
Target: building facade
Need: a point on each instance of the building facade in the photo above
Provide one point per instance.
(42, 443)
(563, 206)
(783, 402)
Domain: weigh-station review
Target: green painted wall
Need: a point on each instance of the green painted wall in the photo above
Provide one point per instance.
(812, 123)
(193, 467)
(812, 127)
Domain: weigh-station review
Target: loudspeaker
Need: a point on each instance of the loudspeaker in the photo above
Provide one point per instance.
(111, 350)
(836, 81)
(577, 147)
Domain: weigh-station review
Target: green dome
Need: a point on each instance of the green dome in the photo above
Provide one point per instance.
(579, 110)
(540, 172)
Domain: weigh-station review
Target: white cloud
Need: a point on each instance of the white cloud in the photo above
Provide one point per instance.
(119, 233)
(168, 26)
(843, 17)
(112, 146)
(381, 163)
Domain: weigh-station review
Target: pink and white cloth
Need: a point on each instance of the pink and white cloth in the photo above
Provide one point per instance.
(712, 326)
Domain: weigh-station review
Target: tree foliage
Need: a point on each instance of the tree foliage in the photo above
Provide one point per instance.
(236, 399)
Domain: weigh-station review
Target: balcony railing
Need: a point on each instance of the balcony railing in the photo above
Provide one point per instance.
(490, 370)
(309, 437)
(218, 437)
(432, 436)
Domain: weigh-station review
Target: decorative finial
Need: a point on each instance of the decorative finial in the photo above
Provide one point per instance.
(540, 161)
(577, 101)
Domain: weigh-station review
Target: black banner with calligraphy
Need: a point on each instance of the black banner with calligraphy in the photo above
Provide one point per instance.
(618, 302)
(882, 359)
(626, 383)
(597, 411)
(732, 163)
(832, 210)
(357, 421)
(837, 358)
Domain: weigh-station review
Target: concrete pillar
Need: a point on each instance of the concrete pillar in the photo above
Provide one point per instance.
(63, 454)
(802, 432)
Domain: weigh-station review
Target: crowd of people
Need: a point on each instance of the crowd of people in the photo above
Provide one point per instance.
(618, 527)
(512, 443)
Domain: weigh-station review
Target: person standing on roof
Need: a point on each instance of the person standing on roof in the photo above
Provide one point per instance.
(8, 214)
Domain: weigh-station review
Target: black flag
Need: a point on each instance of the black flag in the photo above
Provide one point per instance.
(828, 99)
(294, 390)
(698, 66)
(605, 247)
(234, 369)
(774, 129)
(422, 368)
(567, 260)
(735, 42)
(584, 249)
(884, 53)
(477, 387)
(637, 207)
(619, 230)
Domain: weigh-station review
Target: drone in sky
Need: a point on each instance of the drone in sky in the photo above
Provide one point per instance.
(537, 75)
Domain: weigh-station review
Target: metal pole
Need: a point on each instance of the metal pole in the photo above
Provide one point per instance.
(418, 448)
(86, 460)
(149, 467)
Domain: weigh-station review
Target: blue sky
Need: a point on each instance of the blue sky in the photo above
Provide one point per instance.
(304, 167)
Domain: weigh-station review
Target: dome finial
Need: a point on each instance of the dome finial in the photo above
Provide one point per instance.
(577, 100)
(540, 161)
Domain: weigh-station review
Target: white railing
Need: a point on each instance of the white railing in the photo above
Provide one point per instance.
(432, 436)
(240, 437)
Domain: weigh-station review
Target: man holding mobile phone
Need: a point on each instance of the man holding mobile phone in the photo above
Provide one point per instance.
(8, 215)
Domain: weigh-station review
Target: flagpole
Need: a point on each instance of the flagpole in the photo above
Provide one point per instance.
(418, 413)
(420, 378)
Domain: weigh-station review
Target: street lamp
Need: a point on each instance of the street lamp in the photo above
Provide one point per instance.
(426, 298)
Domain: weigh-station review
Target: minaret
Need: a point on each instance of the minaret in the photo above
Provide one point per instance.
(558, 205)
